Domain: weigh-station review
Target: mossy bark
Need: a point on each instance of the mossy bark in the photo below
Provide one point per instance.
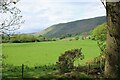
(112, 64)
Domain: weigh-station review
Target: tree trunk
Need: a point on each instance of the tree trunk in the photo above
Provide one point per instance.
(112, 64)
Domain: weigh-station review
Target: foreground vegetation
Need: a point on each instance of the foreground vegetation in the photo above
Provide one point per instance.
(43, 73)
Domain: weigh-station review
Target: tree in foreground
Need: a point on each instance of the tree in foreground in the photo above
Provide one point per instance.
(112, 65)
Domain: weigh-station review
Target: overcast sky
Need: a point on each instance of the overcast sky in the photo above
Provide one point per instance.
(40, 14)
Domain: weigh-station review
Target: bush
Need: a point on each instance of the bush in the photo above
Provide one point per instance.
(76, 38)
(70, 39)
(19, 38)
(66, 60)
(99, 32)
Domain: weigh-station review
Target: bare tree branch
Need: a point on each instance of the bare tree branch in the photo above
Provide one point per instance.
(13, 20)
(103, 3)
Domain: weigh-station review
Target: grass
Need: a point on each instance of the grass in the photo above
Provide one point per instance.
(45, 53)
(29, 72)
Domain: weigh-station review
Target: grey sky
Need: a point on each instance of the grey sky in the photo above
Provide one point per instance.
(40, 14)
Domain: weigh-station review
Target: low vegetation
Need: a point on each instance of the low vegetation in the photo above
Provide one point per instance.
(66, 61)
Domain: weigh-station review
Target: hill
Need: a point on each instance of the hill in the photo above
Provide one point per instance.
(75, 27)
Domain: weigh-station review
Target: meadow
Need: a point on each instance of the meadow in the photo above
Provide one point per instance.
(46, 53)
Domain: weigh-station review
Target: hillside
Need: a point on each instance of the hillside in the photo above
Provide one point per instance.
(75, 27)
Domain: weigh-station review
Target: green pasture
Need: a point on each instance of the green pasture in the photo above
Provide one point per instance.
(46, 53)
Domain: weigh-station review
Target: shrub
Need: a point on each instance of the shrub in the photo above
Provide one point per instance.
(76, 38)
(70, 39)
(66, 60)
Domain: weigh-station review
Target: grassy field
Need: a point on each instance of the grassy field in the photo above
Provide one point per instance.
(45, 53)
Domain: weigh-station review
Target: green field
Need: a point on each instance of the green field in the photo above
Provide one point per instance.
(45, 53)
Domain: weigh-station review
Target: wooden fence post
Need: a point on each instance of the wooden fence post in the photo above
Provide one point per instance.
(22, 70)
(89, 67)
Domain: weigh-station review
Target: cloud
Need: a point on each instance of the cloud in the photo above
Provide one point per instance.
(40, 14)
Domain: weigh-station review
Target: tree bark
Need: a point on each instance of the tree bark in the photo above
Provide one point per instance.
(112, 64)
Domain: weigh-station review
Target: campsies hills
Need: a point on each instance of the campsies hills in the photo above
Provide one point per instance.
(74, 27)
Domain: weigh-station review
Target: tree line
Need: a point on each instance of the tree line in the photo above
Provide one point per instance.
(21, 38)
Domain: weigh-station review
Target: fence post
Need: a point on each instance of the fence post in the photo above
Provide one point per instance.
(89, 66)
(22, 70)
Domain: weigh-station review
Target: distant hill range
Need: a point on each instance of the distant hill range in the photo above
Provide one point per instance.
(75, 27)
